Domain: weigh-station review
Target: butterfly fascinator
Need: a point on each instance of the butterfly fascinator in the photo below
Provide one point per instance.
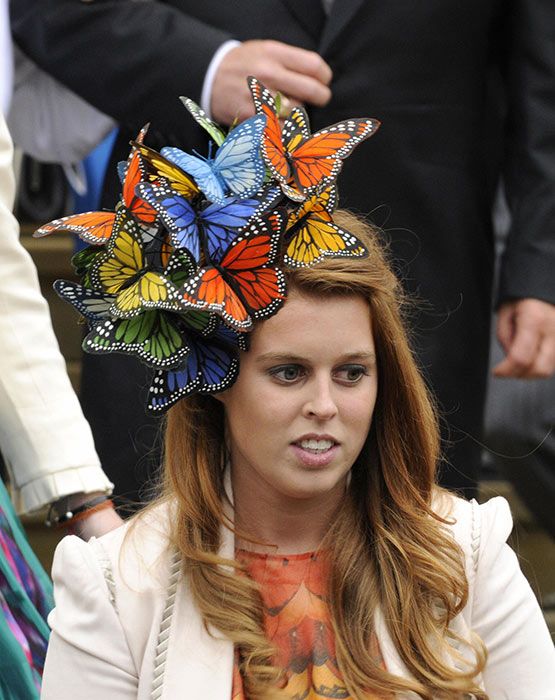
(196, 249)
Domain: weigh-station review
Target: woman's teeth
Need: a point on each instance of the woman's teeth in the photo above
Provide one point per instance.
(316, 445)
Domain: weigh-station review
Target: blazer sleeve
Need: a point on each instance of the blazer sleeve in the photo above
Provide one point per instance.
(128, 58)
(88, 656)
(529, 67)
(44, 436)
(506, 614)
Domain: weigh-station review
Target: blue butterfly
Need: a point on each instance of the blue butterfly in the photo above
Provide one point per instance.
(212, 365)
(219, 223)
(237, 166)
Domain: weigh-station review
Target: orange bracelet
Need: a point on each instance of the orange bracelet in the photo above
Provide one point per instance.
(86, 513)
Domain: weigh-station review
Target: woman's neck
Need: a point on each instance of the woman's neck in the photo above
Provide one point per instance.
(281, 524)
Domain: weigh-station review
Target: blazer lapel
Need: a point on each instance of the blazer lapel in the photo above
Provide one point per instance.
(199, 663)
(342, 11)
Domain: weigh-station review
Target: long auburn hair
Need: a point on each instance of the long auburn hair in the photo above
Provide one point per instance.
(387, 547)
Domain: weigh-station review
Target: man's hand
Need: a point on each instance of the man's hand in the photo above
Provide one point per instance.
(526, 331)
(301, 76)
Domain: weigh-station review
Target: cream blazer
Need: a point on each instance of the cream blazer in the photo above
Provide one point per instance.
(44, 437)
(125, 625)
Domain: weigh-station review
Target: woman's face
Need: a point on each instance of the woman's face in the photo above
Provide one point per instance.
(300, 410)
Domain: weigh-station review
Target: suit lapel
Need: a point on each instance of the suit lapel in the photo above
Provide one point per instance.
(310, 15)
(342, 11)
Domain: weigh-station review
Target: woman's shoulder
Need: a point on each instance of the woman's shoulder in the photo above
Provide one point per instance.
(479, 529)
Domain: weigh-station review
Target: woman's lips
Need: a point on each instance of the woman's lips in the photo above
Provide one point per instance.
(314, 458)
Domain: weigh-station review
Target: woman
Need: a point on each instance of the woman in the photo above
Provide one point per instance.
(299, 547)
(319, 460)
(48, 448)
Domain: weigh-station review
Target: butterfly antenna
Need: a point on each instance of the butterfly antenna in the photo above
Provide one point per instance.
(198, 155)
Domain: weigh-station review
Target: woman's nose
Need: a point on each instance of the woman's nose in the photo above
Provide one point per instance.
(320, 402)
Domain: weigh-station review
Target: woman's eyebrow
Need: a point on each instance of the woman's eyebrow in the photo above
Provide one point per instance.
(360, 355)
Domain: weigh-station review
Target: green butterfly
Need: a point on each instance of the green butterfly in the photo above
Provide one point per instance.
(158, 338)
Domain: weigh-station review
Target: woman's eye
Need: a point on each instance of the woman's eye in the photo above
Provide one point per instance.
(351, 373)
(287, 373)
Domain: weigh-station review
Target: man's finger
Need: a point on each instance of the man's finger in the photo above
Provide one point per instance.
(523, 350)
(544, 366)
(505, 328)
(301, 88)
(302, 61)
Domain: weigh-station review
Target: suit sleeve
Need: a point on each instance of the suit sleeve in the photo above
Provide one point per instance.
(129, 58)
(44, 437)
(507, 617)
(529, 259)
(88, 656)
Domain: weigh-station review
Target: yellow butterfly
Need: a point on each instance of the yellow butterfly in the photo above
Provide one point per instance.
(122, 271)
(159, 166)
(311, 232)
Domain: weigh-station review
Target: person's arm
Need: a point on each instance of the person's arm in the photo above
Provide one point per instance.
(132, 59)
(526, 319)
(47, 443)
(129, 59)
(88, 656)
(506, 615)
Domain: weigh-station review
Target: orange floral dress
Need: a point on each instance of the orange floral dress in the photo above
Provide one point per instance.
(298, 623)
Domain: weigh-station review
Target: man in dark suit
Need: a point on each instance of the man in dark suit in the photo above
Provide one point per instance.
(428, 72)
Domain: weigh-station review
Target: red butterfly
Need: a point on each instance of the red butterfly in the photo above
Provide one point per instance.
(95, 227)
(243, 284)
(304, 163)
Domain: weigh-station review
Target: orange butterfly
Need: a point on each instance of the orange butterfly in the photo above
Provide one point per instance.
(303, 163)
(95, 227)
(242, 283)
(312, 234)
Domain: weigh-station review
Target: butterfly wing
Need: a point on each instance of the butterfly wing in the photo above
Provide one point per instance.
(91, 304)
(123, 258)
(249, 264)
(210, 367)
(273, 150)
(322, 205)
(180, 266)
(311, 232)
(296, 129)
(160, 167)
(316, 162)
(82, 262)
(245, 284)
(238, 161)
(201, 170)
(93, 227)
(151, 290)
(176, 213)
(222, 222)
(153, 336)
(209, 290)
(315, 238)
(207, 124)
(135, 172)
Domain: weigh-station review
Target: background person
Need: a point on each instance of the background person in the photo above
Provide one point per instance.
(48, 449)
(427, 74)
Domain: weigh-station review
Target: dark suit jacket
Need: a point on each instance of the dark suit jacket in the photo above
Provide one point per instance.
(438, 74)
